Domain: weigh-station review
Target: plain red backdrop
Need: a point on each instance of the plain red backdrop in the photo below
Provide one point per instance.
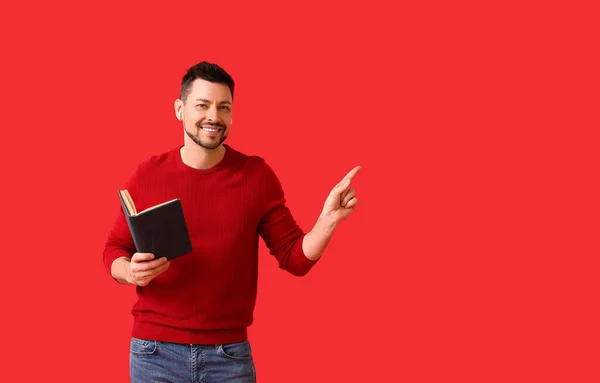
(473, 254)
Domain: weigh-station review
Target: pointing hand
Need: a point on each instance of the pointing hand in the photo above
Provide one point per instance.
(342, 200)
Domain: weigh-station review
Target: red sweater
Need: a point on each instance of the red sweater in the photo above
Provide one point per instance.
(208, 296)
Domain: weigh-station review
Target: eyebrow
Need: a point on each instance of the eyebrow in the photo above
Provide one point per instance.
(208, 101)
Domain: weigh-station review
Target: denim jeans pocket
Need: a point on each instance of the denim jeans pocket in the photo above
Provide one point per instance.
(236, 351)
(142, 346)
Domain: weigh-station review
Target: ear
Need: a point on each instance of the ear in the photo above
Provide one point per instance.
(178, 105)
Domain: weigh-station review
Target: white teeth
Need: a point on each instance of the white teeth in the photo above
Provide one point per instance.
(210, 130)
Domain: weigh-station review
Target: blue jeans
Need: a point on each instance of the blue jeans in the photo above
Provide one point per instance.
(152, 361)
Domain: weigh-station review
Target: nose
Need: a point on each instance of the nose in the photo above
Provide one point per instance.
(212, 114)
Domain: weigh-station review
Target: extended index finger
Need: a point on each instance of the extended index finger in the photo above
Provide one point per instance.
(352, 173)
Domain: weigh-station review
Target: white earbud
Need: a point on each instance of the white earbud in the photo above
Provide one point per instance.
(179, 116)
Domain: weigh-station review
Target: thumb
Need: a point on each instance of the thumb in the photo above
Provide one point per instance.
(141, 257)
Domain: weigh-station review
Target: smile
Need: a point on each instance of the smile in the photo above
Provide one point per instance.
(211, 129)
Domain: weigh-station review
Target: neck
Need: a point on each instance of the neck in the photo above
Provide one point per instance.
(198, 157)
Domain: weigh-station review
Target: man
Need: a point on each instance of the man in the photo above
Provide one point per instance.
(192, 314)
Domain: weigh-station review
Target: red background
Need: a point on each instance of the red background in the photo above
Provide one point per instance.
(472, 257)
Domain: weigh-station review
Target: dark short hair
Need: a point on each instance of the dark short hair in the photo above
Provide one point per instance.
(206, 71)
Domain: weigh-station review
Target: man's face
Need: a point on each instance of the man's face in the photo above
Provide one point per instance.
(206, 113)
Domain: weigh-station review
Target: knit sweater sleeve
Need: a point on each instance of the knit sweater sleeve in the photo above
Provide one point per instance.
(120, 242)
(279, 230)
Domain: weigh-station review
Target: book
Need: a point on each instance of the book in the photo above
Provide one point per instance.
(160, 229)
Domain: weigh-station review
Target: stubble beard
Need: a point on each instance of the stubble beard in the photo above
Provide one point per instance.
(210, 144)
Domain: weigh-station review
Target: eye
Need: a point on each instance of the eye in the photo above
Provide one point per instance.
(225, 108)
(202, 106)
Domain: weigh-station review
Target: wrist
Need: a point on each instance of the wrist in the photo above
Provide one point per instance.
(126, 263)
(120, 270)
(326, 222)
(324, 227)
(316, 240)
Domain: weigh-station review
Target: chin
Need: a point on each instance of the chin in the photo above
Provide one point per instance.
(211, 144)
